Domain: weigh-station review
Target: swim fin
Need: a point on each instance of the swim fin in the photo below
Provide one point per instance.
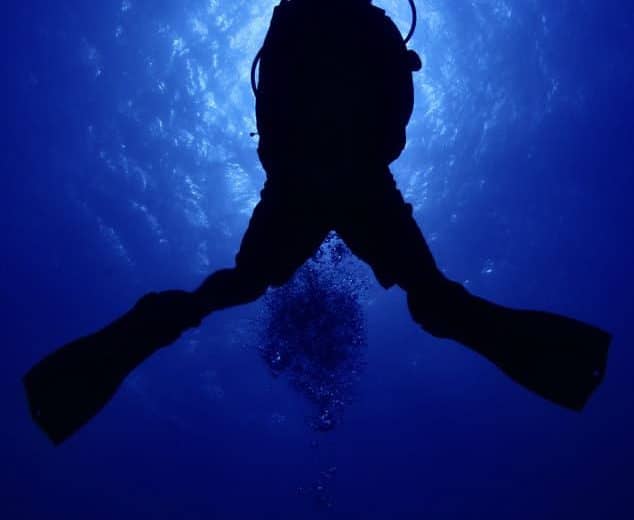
(72, 384)
(559, 358)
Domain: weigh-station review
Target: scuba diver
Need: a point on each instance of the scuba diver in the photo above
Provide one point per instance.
(334, 96)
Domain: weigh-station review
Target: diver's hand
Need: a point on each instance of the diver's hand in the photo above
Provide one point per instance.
(162, 317)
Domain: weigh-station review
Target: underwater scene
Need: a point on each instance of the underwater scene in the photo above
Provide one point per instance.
(130, 165)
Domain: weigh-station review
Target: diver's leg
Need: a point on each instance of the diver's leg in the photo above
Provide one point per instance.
(227, 288)
(558, 357)
(68, 387)
(285, 231)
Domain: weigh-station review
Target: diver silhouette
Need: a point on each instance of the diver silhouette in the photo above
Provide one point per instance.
(334, 97)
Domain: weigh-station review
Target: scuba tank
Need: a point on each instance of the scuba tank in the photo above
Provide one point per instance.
(410, 33)
(333, 79)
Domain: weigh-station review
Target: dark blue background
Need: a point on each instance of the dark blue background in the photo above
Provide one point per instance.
(127, 167)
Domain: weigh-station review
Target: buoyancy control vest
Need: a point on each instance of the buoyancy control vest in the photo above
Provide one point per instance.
(335, 79)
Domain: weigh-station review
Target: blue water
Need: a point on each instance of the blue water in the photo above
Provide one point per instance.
(127, 166)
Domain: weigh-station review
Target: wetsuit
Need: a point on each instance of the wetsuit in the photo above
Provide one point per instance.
(334, 98)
